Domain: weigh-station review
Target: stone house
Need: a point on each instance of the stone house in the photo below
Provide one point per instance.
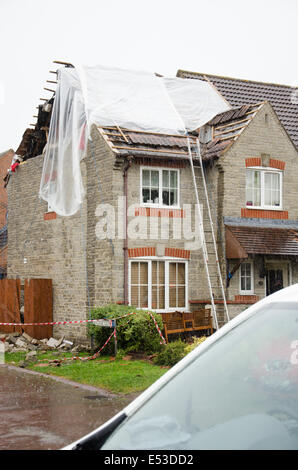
(149, 255)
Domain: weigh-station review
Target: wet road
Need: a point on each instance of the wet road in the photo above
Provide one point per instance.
(37, 412)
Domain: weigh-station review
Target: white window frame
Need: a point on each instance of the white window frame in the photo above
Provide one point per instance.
(166, 260)
(251, 291)
(262, 171)
(159, 204)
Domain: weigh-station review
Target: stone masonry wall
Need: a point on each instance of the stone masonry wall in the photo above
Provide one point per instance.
(39, 248)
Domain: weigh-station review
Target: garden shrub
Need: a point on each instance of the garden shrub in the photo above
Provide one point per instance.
(173, 352)
(196, 342)
(135, 333)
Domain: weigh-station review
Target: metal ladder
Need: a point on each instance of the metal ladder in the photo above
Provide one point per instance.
(202, 232)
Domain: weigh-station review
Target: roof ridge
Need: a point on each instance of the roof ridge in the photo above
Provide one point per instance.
(234, 78)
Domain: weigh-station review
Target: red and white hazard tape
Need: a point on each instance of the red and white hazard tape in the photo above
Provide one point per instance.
(76, 322)
(49, 323)
(89, 358)
(157, 327)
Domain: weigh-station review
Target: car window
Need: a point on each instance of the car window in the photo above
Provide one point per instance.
(241, 393)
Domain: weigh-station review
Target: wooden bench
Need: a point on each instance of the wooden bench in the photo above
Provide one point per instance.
(181, 322)
(202, 320)
(173, 323)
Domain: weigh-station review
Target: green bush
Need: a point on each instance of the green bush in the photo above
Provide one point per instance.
(171, 353)
(135, 333)
(196, 342)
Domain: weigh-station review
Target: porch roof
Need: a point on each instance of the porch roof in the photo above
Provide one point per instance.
(242, 241)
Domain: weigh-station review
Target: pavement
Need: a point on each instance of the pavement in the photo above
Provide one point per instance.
(41, 412)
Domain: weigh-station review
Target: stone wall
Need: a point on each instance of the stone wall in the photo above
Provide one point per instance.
(39, 248)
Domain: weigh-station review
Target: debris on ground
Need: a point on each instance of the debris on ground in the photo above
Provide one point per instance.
(18, 342)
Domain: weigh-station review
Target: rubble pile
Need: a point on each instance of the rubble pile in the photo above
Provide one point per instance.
(16, 342)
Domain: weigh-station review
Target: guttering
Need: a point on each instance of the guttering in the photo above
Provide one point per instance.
(143, 153)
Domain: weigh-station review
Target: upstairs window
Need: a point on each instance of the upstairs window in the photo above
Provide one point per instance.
(263, 189)
(160, 187)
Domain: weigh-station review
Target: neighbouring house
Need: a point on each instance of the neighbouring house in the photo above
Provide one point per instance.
(5, 162)
(149, 257)
(237, 92)
(258, 167)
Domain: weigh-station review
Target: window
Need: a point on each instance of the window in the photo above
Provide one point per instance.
(158, 285)
(160, 187)
(246, 278)
(264, 189)
(176, 285)
(139, 284)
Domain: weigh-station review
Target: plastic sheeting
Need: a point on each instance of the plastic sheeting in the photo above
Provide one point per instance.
(61, 182)
(114, 97)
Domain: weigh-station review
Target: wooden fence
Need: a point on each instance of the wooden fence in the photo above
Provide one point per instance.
(38, 306)
(10, 304)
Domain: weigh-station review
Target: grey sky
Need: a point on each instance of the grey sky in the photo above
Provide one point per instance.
(252, 39)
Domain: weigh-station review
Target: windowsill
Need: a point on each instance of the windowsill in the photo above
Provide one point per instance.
(265, 208)
(158, 206)
(164, 310)
(250, 211)
(154, 211)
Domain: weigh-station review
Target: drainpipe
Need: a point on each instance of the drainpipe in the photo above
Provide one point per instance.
(125, 244)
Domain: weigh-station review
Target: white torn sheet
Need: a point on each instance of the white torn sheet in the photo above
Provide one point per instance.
(108, 96)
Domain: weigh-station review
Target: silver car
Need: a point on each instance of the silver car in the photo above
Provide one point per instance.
(237, 390)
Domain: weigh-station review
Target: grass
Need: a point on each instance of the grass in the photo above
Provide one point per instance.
(115, 375)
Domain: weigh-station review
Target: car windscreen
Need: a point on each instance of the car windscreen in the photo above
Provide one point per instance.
(241, 393)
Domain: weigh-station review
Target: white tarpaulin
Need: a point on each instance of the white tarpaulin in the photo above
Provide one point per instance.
(114, 97)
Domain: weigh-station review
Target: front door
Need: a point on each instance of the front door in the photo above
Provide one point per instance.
(277, 276)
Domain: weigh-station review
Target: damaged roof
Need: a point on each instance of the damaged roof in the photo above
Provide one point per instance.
(131, 142)
(227, 127)
(34, 140)
(238, 92)
(266, 241)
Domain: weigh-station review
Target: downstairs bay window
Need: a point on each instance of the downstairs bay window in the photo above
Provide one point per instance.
(158, 285)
